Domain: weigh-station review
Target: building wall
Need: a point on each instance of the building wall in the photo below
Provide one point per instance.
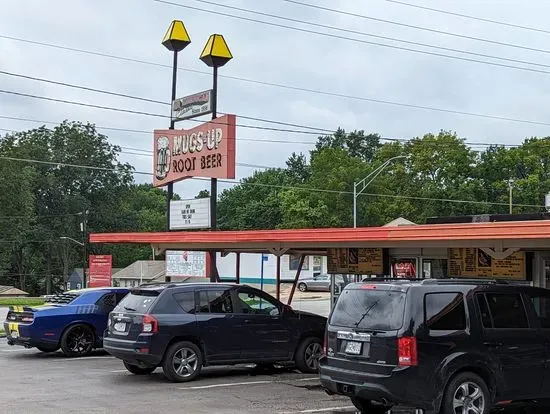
(251, 267)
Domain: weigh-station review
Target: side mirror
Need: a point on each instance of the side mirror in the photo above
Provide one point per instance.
(287, 309)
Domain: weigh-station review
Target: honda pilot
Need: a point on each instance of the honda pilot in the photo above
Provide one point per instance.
(184, 327)
(444, 346)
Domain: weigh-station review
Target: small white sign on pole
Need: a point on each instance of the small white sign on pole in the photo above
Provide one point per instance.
(190, 214)
(185, 263)
(192, 106)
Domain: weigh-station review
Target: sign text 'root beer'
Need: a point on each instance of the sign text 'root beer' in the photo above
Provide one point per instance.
(207, 150)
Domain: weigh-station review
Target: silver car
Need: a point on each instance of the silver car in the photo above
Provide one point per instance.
(319, 283)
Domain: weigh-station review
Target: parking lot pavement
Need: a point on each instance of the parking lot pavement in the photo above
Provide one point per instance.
(33, 382)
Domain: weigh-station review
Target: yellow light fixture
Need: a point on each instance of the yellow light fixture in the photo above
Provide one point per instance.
(216, 53)
(176, 37)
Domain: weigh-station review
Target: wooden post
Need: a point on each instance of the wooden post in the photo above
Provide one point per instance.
(238, 268)
(298, 271)
(278, 277)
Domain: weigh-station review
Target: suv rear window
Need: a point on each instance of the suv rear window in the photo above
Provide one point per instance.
(137, 301)
(369, 309)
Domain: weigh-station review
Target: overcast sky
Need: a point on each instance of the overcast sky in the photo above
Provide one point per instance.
(134, 29)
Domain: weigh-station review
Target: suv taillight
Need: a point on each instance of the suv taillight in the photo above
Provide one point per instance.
(325, 344)
(150, 324)
(406, 351)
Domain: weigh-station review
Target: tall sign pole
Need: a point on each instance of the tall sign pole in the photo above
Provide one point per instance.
(215, 54)
(175, 40)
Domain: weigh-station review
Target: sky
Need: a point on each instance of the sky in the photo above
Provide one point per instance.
(276, 55)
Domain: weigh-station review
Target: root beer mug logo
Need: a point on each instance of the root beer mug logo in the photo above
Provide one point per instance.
(207, 150)
(163, 158)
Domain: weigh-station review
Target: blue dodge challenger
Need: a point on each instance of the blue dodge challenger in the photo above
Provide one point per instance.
(73, 321)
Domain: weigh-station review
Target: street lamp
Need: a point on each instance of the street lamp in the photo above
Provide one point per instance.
(362, 185)
(215, 54)
(84, 258)
(175, 40)
(73, 240)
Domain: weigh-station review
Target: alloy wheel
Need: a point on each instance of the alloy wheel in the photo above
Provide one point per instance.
(185, 362)
(313, 352)
(468, 399)
(80, 340)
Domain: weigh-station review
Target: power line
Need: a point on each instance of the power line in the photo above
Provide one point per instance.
(427, 29)
(288, 87)
(271, 141)
(334, 36)
(151, 114)
(466, 16)
(86, 88)
(340, 29)
(310, 189)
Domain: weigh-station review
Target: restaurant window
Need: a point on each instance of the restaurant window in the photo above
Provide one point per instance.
(294, 262)
(403, 268)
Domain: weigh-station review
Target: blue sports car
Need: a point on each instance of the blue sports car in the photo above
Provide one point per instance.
(73, 321)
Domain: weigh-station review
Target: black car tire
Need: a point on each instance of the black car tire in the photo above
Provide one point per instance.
(302, 287)
(307, 355)
(183, 350)
(367, 407)
(137, 370)
(47, 349)
(466, 384)
(78, 340)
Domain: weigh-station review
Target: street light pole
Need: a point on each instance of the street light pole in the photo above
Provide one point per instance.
(372, 176)
(175, 40)
(215, 54)
(511, 191)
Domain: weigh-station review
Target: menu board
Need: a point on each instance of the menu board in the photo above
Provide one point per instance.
(472, 262)
(355, 261)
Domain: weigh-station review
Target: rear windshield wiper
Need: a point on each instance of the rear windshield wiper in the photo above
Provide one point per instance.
(130, 309)
(366, 313)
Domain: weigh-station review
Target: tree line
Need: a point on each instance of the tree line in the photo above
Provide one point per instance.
(438, 175)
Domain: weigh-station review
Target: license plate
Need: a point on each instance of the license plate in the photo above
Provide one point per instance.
(13, 329)
(353, 348)
(120, 326)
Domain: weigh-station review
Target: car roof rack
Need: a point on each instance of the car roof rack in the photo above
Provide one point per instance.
(464, 281)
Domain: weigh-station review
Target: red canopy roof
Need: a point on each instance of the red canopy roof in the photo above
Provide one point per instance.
(525, 234)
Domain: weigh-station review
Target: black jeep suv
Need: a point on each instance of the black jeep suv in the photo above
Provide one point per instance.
(183, 327)
(445, 346)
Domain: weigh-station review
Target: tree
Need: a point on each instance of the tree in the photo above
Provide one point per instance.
(57, 194)
(356, 143)
(254, 203)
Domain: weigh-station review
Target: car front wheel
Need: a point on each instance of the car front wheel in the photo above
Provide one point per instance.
(467, 393)
(77, 341)
(182, 362)
(302, 287)
(308, 354)
(137, 370)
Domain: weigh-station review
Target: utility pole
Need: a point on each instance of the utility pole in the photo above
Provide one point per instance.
(84, 229)
(511, 191)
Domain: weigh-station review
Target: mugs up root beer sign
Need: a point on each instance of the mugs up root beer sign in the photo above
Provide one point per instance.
(207, 150)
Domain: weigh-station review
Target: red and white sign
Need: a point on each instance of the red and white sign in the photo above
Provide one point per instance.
(101, 268)
(207, 150)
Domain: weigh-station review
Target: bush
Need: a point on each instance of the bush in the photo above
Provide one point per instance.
(21, 301)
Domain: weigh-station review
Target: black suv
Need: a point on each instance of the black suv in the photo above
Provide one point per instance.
(183, 327)
(445, 346)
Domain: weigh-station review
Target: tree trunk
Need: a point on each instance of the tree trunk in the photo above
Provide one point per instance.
(49, 270)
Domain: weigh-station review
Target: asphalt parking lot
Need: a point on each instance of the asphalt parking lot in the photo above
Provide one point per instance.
(33, 382)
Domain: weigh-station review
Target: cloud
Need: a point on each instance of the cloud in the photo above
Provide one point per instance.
(277, 55)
